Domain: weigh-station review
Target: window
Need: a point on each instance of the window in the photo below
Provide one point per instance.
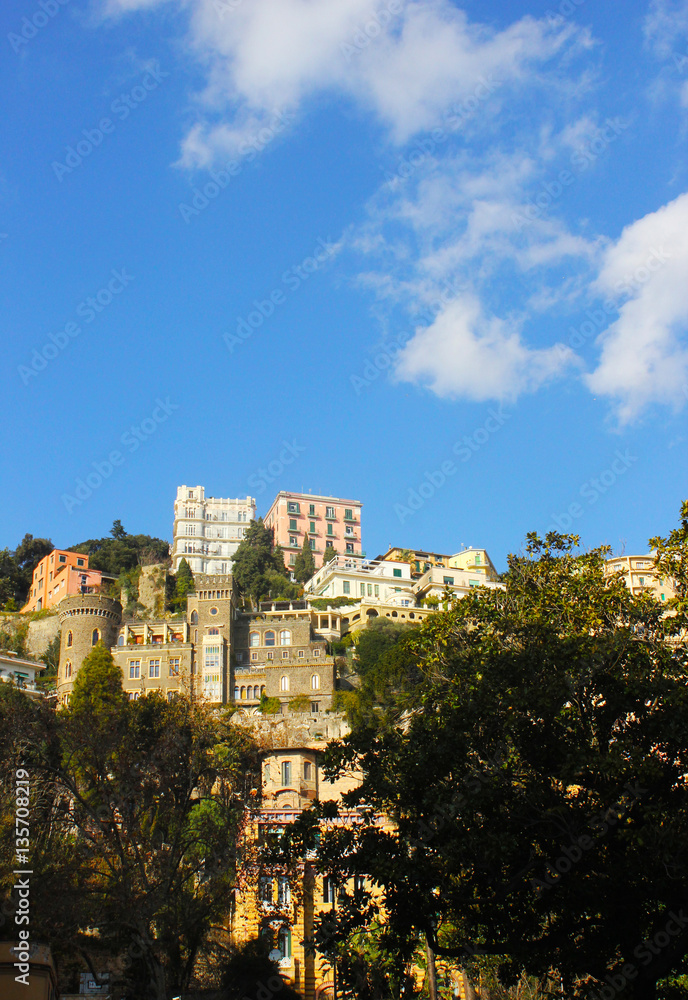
(370, 590)
(315, 682)
(80, 562)
(311, 510)
(348, 530)
(265, 889)
(285, 637)
(348, 514)
(243, 694)
(68, 669)
(284, 944)
(329, 512)
(292, 558)
(316, 652)
(120, 640)
(70, 639)
(330, 529)
(285, 654)
(174, 666)
(283, 891)
(359, 883)
(262, 690)
(363, 590)
(641, 580)
(293, 541)
(312, 542)
(254, 656)
(95, 637)
(346, 587)
(63, 559)
(134, 669)
(312, 527)
(292, 524)
(212, 658)
(286, 773)
(301, 654)
(307, 768)
(194, 617)
(254, 639)
(448, 580)
(213, 631)
(213, 611)
(329, 890)
(349, 546)
(154, 668)
(315, 706)
(396, 572)
(293, 507)
(271, 655)
(377, 589)
(236, 694)
(256, 691)
(270, 638)
(284, 683)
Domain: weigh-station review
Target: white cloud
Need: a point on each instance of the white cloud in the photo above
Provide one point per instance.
(466, 354)
(644, 357)
(405, 65)
(666, 24)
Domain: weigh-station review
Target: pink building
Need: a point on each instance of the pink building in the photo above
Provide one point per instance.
(61, 574)
(323, 520)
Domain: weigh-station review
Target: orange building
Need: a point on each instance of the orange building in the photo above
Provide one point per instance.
(61, 574)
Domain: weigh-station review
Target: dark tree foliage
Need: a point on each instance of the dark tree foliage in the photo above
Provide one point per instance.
(121, 552)
(329, 554)
(258, 566)
(531, 749)
(304, 567)
(16, 568)
(250, 974)
(183, 586)
(136, 808)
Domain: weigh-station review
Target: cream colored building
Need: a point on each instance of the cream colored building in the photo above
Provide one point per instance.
(436, 581)
(376, 580)
(208, 530)
(477, 561)
(640, 576)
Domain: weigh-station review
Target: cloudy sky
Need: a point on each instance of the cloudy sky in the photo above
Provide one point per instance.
(439, 249)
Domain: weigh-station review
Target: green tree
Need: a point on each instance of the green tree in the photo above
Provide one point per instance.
(117, 531)
(330, 554)
(304, 567)
(115, 555)
(184, 585)
(250, 974)
(532, 752)
(51, 658)
(258, 566)
(138, 807)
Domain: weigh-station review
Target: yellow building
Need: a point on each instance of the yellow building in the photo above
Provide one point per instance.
(471, 560)
(640, 576)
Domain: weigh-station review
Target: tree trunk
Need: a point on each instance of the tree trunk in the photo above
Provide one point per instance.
(432, 971)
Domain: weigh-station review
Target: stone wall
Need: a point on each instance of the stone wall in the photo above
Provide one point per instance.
(152, 588)
(41, 631)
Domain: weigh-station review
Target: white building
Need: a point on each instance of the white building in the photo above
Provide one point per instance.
(20, 672)
(352, 576)
(207, 530)
(436, 580)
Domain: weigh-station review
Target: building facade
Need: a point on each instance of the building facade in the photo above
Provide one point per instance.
(475, 560)
(207, 530)
(640, 576)
(378, 580)
(324, 521)
(22, 673)
(61, 574)
(85, 621)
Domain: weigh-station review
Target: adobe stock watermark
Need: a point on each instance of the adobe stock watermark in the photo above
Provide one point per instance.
(464, 448)
(47, 10)
(260, 479)
(593, 489)
(292, 279)
(121, 107)
(388, 355)
(372, 29)
(86, 310)
(132, 439)
(457, 116)
(581, 159)
(598, 828)
(565, 9)
(219, 179)
(597, 319)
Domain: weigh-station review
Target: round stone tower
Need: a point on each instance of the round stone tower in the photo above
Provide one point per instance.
(85, 620)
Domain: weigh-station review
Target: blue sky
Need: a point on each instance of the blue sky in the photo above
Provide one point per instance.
(457, 234)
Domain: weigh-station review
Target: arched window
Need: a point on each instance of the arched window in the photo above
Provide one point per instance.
(285, 637)
(236, 694)
(213, 631)
(254, 639)
(269, 638)
(70, 638)
(68, 669)
(243, 693)
(256, 692)
(194, 618)
(120, 640)
(284, 683)
(95, 637)
(262, 690)
(315, 682)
